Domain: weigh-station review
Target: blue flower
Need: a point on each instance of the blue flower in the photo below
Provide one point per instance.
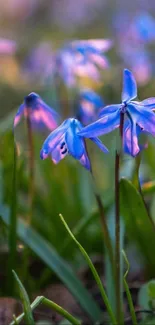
(144, 27)
(139, 116)
(40, 114)
(64, 140)
(89, 105)
(82, 58)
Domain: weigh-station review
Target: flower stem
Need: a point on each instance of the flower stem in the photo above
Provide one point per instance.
(105, 229)
(31, 169)
(117, 227)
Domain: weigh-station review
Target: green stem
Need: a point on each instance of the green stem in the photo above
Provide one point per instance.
(117, 228)
(105, 229)
(31, 169)
(61, 311)
(94, 272)
(12, 229)
(42, 300)
(129, 297)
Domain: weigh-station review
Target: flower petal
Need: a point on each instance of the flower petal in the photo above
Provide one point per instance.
(99, 44)
(130, 138)
(58, 154)
(53, 139)
(102, 126)
(143, 117)
(84, 160)
(148, 103)
(100, 61)
(74, 143)
(129, 86)
(109, 109)
(44, 116)
(100, 144)
(19, 115)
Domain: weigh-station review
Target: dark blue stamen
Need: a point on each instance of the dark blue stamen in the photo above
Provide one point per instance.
(63, 152)
(62, 145)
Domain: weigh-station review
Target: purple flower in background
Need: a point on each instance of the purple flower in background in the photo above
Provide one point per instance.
(139, 116)
(139, 60)
(89, 105)
(40, 114)
(7, 46)
(40, 62)
(143, 27)
(64, 140)
(133, 34)
(82, 58)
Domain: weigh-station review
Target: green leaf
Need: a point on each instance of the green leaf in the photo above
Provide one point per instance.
(12, 229)
(52, 305)
(146, 296)
(48, 254)
(7, 122)
(129, 297)
(25, 300)
(93, 270)
(139, 226)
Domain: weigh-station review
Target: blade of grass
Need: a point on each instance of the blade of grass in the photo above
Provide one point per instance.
(129, 297)
(51, 305)
(50, 257)
(25, 300)
(94, 272)
(34, 305)
(12, 229)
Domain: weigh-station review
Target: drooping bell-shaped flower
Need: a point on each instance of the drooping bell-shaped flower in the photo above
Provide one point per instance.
(65, 140)
(89, 106)
(39, 113)
(138, 116)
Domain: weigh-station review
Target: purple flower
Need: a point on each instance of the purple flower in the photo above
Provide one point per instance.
(139, 60)
(82, 58)
(7, 46)
(40, 114)
(89, 105)
(138, 116)
(65, 140)
(40, 62)
(143, 27)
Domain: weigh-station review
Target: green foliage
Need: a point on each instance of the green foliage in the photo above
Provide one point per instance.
(25, 300)
(48, 254)
(94, 272)
(129, 297)
(146, 301)
(138, 223)
(42, 300)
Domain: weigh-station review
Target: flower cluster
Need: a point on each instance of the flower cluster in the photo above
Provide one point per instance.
(69, 137)
(81, 58)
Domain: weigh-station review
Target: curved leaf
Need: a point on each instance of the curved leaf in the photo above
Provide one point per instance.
(50, 257)
(139, 225)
